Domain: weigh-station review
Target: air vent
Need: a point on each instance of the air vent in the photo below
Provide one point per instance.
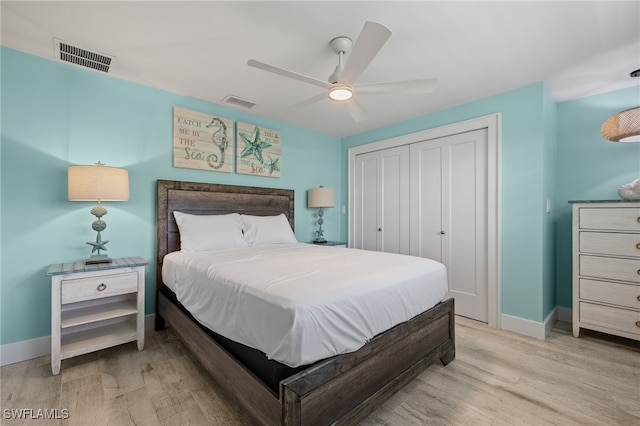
(238, 102)
(66, 52)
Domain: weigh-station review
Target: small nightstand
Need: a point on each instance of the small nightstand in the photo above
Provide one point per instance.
(94, 307)
(331, 244)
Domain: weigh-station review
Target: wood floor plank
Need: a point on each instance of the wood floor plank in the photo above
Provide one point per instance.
(84, 399)
(39, 386)
(141, 408)
(220, 410)
(11, 379)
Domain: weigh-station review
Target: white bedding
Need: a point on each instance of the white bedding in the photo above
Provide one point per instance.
(299, 303)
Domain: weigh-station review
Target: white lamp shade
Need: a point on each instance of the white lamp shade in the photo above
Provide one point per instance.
(321, 197)
(98, 183)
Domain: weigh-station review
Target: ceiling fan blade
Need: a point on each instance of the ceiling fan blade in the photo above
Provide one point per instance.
(369, 43)
(426, 85)
(290, 74)
(309, 101)
(355, 110)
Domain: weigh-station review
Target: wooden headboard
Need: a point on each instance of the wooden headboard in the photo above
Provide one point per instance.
(210, 199)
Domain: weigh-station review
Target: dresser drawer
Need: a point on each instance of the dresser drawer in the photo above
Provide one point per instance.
(610, 268)
(98, 287)
(614, 318)
(617, 219)
(625, 295)
(610, 243)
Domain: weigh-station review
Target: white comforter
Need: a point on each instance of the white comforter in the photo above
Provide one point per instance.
(299, 303)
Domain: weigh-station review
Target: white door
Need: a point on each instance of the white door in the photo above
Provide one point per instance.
(381, 200)
(366, 201)
(449, 214)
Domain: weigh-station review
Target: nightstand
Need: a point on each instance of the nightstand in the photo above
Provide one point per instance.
(94, 307)
(331, 244)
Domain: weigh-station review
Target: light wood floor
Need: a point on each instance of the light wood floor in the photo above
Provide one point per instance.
(497, 378)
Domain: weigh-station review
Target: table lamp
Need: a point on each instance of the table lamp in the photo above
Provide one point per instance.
(99, 183)
(320, 198)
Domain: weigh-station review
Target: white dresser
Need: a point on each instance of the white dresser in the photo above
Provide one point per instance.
(606, 267)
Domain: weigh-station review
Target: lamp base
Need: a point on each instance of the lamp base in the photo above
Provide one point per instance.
(96, 259)
(319, 241)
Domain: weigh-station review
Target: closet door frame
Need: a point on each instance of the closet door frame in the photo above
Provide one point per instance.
(493, 124)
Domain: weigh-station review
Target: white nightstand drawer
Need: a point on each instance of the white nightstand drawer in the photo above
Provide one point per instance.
(626, 295)
(614, 318)
(98, 287)
(610, 268)
(619, 219)
(610, 243)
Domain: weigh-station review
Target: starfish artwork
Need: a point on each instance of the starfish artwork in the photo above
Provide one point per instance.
(272, 165)
(261, 154)
(253, 145)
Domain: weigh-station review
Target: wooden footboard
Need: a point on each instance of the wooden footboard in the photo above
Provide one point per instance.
(339, 390)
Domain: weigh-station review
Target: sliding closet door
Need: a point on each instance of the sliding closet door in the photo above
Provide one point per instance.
(466, 240)
(381, 200)
(366, 201)
(449, 214)
(427, 199)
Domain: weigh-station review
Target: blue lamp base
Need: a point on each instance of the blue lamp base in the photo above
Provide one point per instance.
(98, 225)
(320, 232)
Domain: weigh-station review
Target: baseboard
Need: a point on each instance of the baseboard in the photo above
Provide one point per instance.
(24, 350)
(565, 314)
(538, 330)
(149, 322)
(41, 346)
(550, 321)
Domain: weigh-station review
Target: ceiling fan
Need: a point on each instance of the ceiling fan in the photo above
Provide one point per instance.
(341, 85)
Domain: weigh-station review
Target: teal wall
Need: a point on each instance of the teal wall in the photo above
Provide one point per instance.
(589, 167)
(54, 115)
(524, 129)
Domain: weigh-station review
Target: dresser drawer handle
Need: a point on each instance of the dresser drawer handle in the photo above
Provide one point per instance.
(103, 286)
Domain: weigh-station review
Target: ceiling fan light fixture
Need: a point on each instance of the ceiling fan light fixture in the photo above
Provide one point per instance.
(340, 93)
(623, 127)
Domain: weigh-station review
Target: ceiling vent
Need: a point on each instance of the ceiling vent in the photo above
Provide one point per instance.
(238, 102)
(66, 52)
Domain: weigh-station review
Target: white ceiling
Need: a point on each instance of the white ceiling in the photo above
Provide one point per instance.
(476, 49)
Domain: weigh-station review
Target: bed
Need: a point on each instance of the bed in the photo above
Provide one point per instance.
(339, 389)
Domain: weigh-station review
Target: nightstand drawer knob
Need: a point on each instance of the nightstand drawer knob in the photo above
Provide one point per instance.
(637, 323)
(638, 298)
(638, 219)
(103, 286)
(638, 246)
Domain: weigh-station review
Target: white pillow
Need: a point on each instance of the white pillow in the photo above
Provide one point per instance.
(267, 229)
(209, 232)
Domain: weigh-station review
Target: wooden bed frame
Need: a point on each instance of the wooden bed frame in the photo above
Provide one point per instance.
(338, 390)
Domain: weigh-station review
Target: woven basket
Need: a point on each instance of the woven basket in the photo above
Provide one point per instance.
(625, 124)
